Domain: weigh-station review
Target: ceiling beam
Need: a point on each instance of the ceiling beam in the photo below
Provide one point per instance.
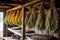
(15, 8)
(3, 4)
(30, 3)
(4, 7)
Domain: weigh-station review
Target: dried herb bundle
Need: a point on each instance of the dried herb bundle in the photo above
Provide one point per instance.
(31, 18)
(40, 23)
(52, 20)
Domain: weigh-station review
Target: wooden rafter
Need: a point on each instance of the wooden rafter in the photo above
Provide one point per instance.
(30, 3)
(4, 7)
(15, 8)
(9, 4)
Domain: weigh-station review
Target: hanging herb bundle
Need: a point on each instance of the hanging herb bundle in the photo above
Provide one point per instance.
(55, 20)
(31, 18)
(34, 17)
(52, 20)
(40, 23)
(48, 20)
(13, 18)
(27, 18)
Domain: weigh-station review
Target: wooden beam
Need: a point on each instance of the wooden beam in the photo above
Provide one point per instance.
(4, 7)
(9, 4)
(12, 4)
(30, 3)
(15, 8)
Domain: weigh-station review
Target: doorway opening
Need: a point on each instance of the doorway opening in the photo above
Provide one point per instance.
(1, 24)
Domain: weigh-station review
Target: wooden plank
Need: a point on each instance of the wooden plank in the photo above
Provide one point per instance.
(30, 3)
(15, 8)
(9, 38)
(18, 32)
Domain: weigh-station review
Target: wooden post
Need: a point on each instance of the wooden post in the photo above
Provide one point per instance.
(4, 26)
(23, 23)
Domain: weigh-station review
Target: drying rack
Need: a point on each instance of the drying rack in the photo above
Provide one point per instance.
(22, 8)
